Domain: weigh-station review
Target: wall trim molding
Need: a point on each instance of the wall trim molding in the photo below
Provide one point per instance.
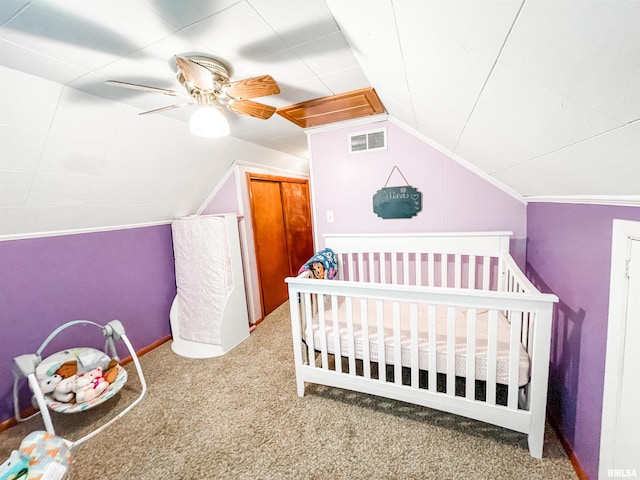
(260, 166)
(617, 200)
(79, 231)
(381, 117)
(566, 444)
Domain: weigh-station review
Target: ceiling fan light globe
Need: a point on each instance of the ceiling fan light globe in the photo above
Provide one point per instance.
(208, 121)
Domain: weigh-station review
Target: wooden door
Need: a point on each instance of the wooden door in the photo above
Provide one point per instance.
(282, 233)
(295, 204)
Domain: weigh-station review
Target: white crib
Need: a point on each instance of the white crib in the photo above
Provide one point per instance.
(406, 310)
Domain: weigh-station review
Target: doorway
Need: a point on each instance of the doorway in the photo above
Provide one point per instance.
(283, 236)
(621, 398)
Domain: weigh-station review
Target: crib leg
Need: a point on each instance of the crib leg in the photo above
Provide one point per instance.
(300, 386)
(536, 441)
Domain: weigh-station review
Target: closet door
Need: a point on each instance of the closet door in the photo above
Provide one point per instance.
(283, 238)
(621, 397)
(297, 217)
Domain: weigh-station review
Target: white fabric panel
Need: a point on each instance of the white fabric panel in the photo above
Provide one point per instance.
(502, 366)
(203, 276)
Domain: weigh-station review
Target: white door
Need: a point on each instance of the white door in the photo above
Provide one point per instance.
(619, 449)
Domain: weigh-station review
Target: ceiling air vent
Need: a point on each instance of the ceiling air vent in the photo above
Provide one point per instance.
(368, 141)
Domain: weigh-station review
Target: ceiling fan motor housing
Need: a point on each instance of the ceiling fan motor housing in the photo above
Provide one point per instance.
(219, 74)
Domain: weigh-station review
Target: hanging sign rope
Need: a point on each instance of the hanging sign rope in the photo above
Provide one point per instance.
(395, 167)
(397, 202)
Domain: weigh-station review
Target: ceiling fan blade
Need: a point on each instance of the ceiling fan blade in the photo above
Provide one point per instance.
(144, 88)
(163, 109)
(196, 74)
(252, 88)
(253, 109)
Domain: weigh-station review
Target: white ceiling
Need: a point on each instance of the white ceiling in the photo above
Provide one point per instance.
(82, 43)
(542, 95)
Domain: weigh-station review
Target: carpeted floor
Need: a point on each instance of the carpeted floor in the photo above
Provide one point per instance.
(238, 417)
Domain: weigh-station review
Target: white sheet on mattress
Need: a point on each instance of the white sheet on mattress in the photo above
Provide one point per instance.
(203, 276)
(502, 366)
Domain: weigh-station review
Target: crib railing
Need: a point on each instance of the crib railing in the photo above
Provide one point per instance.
(420, 268)
(456, 260)
(513, 280)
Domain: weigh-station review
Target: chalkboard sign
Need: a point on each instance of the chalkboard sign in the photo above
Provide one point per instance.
(397, 202)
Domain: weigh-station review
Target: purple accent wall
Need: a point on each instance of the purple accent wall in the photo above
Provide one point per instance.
(44, 282)
(225, 199)
(453, 197)
(569, 254)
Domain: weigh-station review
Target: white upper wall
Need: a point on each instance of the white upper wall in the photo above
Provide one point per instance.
(70, 160)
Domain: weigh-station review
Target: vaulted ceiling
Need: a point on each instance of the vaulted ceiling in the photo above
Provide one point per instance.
(541, 95)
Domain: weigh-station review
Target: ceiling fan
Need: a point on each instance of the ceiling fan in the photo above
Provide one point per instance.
(207, 82)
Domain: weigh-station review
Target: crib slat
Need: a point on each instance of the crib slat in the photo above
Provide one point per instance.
(418, 268)
(323, 332)
(524, 337)
(366, 357)
(343, 266)
(351, 269)
(531, 334)
(492, 349)
(346, 267)
(303, 313)
(433, 373)
(470, 369)
(360, 267)
(457, 273)
(337, 355)
(444, 270)
(514, 359)
(372, 276)
(397, 344)
(472, 271)
(383, 267)
(432, 269)
(351, 342)
(451, 351)
(486, 271)
(502, 279)
(394, 268)
(382, 349)
(415, 352)
(405, 268)
(308, 328)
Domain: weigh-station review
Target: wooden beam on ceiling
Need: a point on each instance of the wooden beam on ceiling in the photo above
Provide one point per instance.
(336, 108)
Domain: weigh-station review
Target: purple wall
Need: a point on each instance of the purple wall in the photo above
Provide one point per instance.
(569, 254)
(453, 197)
(44, 282)
(225, 199)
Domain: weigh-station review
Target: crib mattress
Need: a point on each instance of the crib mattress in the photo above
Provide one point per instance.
(502, 350)
(203, 277)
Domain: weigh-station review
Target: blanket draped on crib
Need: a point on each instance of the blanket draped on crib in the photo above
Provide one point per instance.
(323, 265)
